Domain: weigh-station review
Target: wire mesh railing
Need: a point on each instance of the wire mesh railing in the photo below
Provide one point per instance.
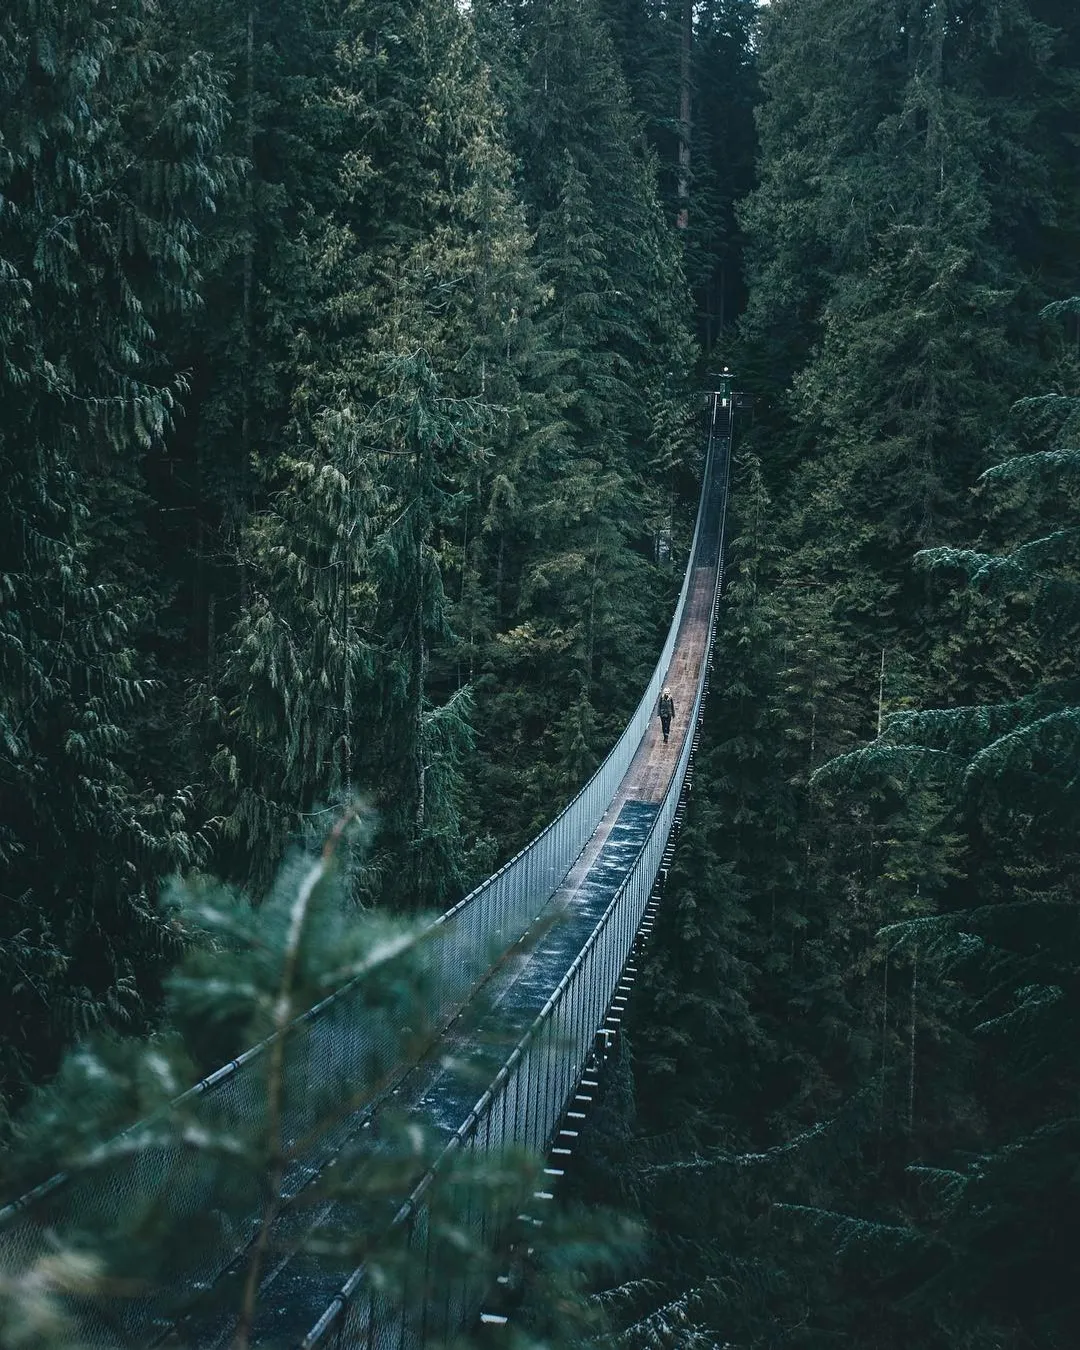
(334, 1045)
(527, 1098)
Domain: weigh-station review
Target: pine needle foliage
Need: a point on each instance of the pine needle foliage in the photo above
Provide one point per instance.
(228, 1184)
(1008, 770)
(109, 167)
(615, 320)
(254, 262)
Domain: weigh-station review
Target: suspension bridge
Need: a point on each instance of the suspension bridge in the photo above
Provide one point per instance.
(531, 974)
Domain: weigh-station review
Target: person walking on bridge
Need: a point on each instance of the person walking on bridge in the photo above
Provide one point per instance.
(666, 709)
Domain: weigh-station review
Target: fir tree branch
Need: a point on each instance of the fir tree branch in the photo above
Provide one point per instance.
(283, 1013)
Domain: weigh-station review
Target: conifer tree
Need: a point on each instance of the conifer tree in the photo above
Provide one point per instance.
(618, 411)
(1006, 932)
(891, 296)
(722, 93)
(107, 167)
(338, 671)
(887, 235)
(240, 346)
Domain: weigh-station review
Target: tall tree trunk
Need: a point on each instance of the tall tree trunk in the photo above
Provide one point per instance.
(590, 644)
(884, 1053)
(911, 1065)
(935, 140)
(248, 282)
(346, 638)
(881, 695)
(418, 671)
(684, 115)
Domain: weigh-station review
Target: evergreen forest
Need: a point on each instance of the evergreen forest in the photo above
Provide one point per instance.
(351, 368)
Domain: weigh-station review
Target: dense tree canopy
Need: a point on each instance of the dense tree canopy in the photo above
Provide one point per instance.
(346, 383)
(349, 358)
